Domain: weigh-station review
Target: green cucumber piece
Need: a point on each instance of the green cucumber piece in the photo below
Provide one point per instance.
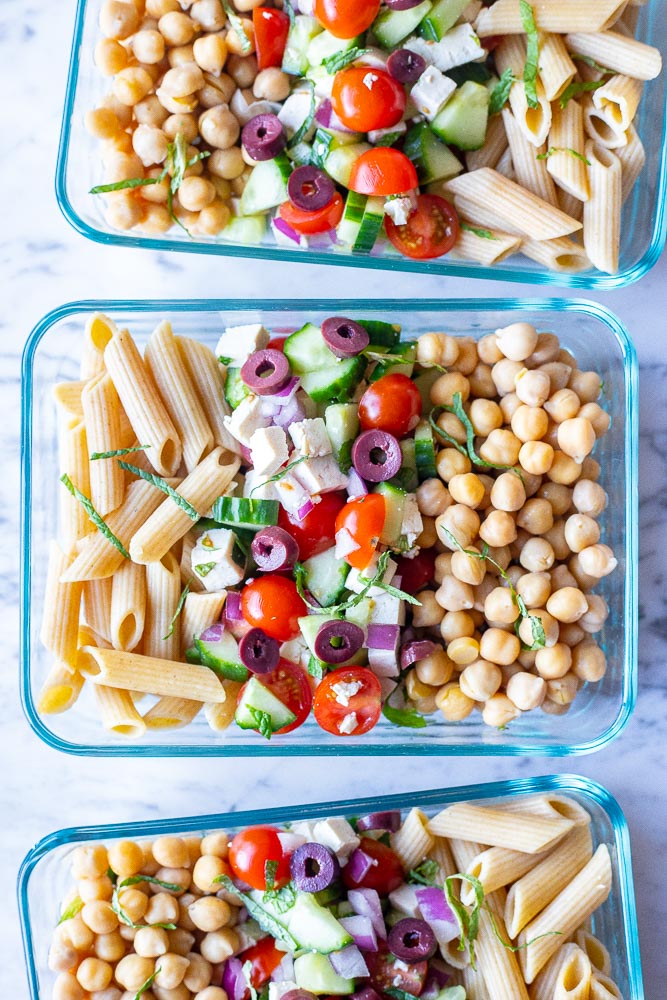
(325, 44)
(443, 15)
(391, 26)
(475, 71)
(434, 161)
(424, 382)
(463, 120)
(425, 451)
(394, 500)
(235, 388)
(407, 478)
(325, 576)
(222, 657)
(353, 214)
(361, 613)
(315, 928)
(323, 143)
(341, 159)
(342, 423)
(258, 699)
(266, 187)
(301, 34)
(310, 626)
(381, 333)
(307, 351)
(314, 972)
(371, 225)
(337, 382)
(406, 351)
(246, 229)
(244, 512)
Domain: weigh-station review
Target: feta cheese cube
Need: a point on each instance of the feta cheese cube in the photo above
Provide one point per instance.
(345, 544)
(291, 493)
(306, 828)
(404, 899)
(348, 724)
(344, 691)
(412, 524)
(431, 92)
(238, 342)
(336, 833)
(268, 447)
(320, 475)
(246, 419)
(383, 662)
(388, 610)
(258, 487)
(398, 209)
(213, 560)
(376, 135)
(355, 584)
(460, 45)
(294, 649)
(294, 112)
(310, 437)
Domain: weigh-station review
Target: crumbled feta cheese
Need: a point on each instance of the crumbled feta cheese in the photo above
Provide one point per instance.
(355, 584)
(412, 524)
(336, 833)
(383, 662)
(404, 899)
(320, 475)
(258, 487)
(431, 92)
(306, 828)
(348, 724)
(310, 437)
(370, 79)
(376, 135)
(344, 691)
(345, 544)
(268, 447)
(246, 419)
(387, 610)
(213, 560)
(238, 342)
(460, 45)
(398, 209)
(294, 112)
(291, 492)
(278, 990)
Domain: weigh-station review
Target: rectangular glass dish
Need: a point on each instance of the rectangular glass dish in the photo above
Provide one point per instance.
(593, 334)
(644, 222)
(45, 877)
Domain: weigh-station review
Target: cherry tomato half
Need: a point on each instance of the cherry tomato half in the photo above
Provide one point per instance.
(364, 519)
(366, 98)
(291, 685)
(385, 876)
(271, 30)
(431, 231)
(392, 404)
(272, 603)
(366, 703)
(264, 957)
(319, 221)
(249, 852)
(316, 531)
(346, 18)
(277, 343)
(388, 974)
(383, 171)
(416, 573)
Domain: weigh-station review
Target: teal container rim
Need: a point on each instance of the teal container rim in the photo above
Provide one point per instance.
(408, 748)
(594, 280)
(517, 786)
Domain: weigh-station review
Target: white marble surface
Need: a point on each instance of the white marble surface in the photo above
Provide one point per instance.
(44, 263)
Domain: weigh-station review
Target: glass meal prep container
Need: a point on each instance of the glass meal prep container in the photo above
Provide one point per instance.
(45, 877)
(596, 338)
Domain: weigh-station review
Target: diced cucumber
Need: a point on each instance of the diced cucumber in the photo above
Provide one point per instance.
(315, 928)
(306, 350)
(361, 613)
(463, 120)
(310, 626)
(235, 388)
(475, 71)
(381, 333)
(434, 161)
(246, 229)
(371, 225)
(323, 143)
(425, 451)
(325, 576)
(301, 155)
(407, 477)
(222, 657)
(342, 423)
(406, 351)
(394, 500)
(340, 161)
(267, 186)
(325, 44)
(244, 512)
(301, 34)
(353, 214)
(315, 973)
(391, 26)
(258, 702)
(443, 16)
(338, 382)
(424, 382)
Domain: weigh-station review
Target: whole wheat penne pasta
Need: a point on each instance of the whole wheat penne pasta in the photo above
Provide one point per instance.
(73, 453)
(220, 715)
(569, 957)
(541, 884)
(163, 590)
(492, 826)
(530, 171)
(97, 557)
(98, 332)
(615, 51)
(566, 160)
(60, 690)
(476, 214)
(602, 211)
(499, 966)
(470, 12)
(101, 412)
(118, 712)
(505, 165)
(495, 868)
(208, 378)
(97, 609)
(599, 129)
(518, 210)
(570, 205)
(472, 981)
(413, 841)
(599, 955)
(464, 852)
(504, 16)
(134, 672)
(551, 804)
(165, 363)
(561, 255)
(533, 122)
(572, 906)
(494, 146)
(573, 981)
(62, 604)
(169, 523)
(128, 606)
(632, 158)
(67, 395)
(604, 988)
(486, 246)
(627, 22)
(199, 612)
(172, 713)
(141, 401)
(441, 853)
(87, 637)
(555, 66)
(618, 101)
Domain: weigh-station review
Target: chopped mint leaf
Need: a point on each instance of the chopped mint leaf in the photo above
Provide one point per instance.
(270, 869)
(279, 475)
(203, 569)
(424, 874)
(308, 120)
(96, 455)
(93, 516)
(237, 24)
(409, 718)
(147, 985)
(263, 720)
(161, 484)
(71, 911)
(501, 92)
(341, 59)
(484, 234)
(577, 88)
(562, 149)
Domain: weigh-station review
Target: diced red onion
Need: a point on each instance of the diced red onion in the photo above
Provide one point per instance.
(284, 973)
(337, 125)
(323, 113)
(233, 606)
(213, 633)
(282, 227)
(290, 413)
(361, 930)
(287, 389)
(382, 636)
(233, 981)
(356, 487)
(246, 454)
(366, 903)
(322, 241)
(305, 509)
(437, 913)
(290, 841)
(359, 864)
(349, 963)
(390, 820)
(242, 915)
(417, 650)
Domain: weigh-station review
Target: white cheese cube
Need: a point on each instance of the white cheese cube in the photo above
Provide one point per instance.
(310, 437)
(459, 46)
(344, 691)
(306, 828)
(404, 899)
(336, 833)
(398, 209)
(388, 610)
(376, 135)
(268, 447)
(258, 487)
(238, 342)
(294, 649)
(291, 493)
(355, 584)
(246, 419)
(383, 662)
(320, 475)
(412, 524)
(294, 112)
(213, 560)
(345, 544)
(431, 92)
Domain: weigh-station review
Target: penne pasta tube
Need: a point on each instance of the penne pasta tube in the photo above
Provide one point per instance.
(163, 590)
(441, 853)
(613, 50)
(566, 161)
(618, 101)
(627, 22)
(170, 522)
(569, 961)
(118, 712)
(573, 981)
(141, 401)
(199, 611)
(60, 690)
(208, 378)
(62, 602)
(495, 868)
(571, 908)
(536, 889)
(492, 826)
(486, 246)
(555, 66)
(73, 451)
(598, 128)
(464, 852)
(101, 412)
(97, 609)
(602, 211)
(497, 963)
(413, 841)
(533, 122)
(165, 363)
(149, 675)
(632, 158)
(98, 332)
(494, 146)
(599, 955)
(570, 205)
(128, 606)
(530, 171)
(551, 804)
(505, 165)
(172, 713)
(604, 988)
(67, 395)
(472, 981)
(504, 16)
(220, 715)
(561, 255)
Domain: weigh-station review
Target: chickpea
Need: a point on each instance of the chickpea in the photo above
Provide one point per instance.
(588, 661)
(596, 614)
(219, 945)
(437, 349)
(517, 341)
(450, 424)
(181, 941)
(499, 711)
(245, 46)
(428, 536)
(463, 651)
(90, 861)
(501, 447)
(468, 568)
(549, 624)
(433, 497)
(131, 85)
(587, 385)
(526, 691)
(198, 974)
(148, 47)
(564, 469)
(134, 903)
(185, 124)
(178, 876)
(151, 942)
(590, 469)
(504, 374)
(67, 987)
(481, 382)
(210, 53)
(563, 405)
(480, 680)
(156, 8)
(499, 607)
(459, 524)
(467, 358)
(456, 625)
(536, 457)
(576, 438)
(558, 373)
(226, 163)
(118, 20)
(581, 531)
(500, 554)
(215, 843)
(110, 56)
(454, 595)
(102, 123)
(488, 350)
(271, 85)
(509, 404)
(171, 852)
(207, 869)
(196, 193)
(563, 690)
(92, 889)
(558, 495)
(171, 971)
(434, 670)
(532, 387)
(133, 971)
(485, 416)
(177, 28)
(443, 565)
(453, 703)
(554, 661)
(77, 934)
(536, 517)
(99, 916)
(109, 947)
(208, 14)
(94, 974)
(499, 646)
(62, 957)
(219, 127)
(589, 498)
(466, 488)
(567, 604)
(546, 350)
(508, 493)
(529, 423)
(163, 908)
(447, 386)
(243, 71)
(213, 218)
(597, 417)
(498, 528)
(212, 993)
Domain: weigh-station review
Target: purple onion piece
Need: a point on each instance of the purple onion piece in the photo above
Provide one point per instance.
(284, 228)
(310, 188)
(405, 65)
(288, 389)
(362, 931)
(349, 963)
(359, 865)
(356, 487)
(377, 455)
(382, 636)
(273, 549)
(437, 912)
(298, 995)
(437, 978)
(366, 902)
(305, 509)
(337, 641)
(263, 137)
(418, 649)
(233, 981)
(213, 633)
(390, 820)
(259, 652)
(402, 4)
(290, 413)
(313, 867)
(233, 611)
(323, 113)
(344, 337)
(412, 940)
(284, 973)
(266, 371)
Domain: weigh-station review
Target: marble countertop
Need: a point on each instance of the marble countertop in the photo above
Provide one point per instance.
(44, 263)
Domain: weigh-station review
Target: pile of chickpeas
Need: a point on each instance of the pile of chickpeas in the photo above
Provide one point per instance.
(533, 410)
(175, 68)
(96, 955)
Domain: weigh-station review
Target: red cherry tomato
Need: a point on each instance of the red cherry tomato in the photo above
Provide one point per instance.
(416, 573)
(272, 603)
(277, 343)
(346, 18)
(431, 231)
(363, 518)
(271, 30)
(251, 849)
(391, 404)
(316, 531)
(366, 703)
(383, 171)
(264, 957)
(291, 685)
(388, 974)
(365, 98)
(384, 877)
(319, 221)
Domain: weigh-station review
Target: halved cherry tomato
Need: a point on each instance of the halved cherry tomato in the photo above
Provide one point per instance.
(392, 404)
(385, 876)
(271, 30)
(388, 974)
(431, 231)
(272, 603)
(249, 852)
(277, 343)
(291, 685)
(416, 573)
(366, 98)
(346, 18)
(363, 518)
(316, 531)
(383, 171)
(319, 221)
(366, 704)
(264, 958)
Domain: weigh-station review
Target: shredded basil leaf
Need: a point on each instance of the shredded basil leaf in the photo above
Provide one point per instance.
(532, 53)
(133, 182)
(341, 59)
(270, 869)
(308, 120)
(96, 519)
(395, 592)
(501, 92)
(459, 411)
(407, 717)
(147, 985)
(575, 89)
(562, 149)
(177, 612)
(424, 874)
(71, 911)
(237, 24)
(258, 913)
(316, 668)
(263, 720)
(123, 916)
(161, 484)
(484, 234)
(593, 64)
(281, 899)
(468, 922)
(96, 455)
(339, 609)
(137, 879)
(279, 475)
(443, 434)
(224, 360)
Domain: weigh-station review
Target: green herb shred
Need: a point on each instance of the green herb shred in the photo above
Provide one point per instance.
(409, 718)
(484, 234)
(177, 612)
(501, 92)
(71, 911)
(161, 484)
(532, 53)
(147, 985)
(96, 518)
(563, 149)
(118, 453)
(339, 60)
(237, 24)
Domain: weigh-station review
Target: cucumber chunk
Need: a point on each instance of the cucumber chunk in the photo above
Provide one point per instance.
(244, 512)
(337, 382)
(353, 214)
(257, 701)
(314, 972)
(325, 44)
(391, 26)
(425, 451)
(381, 333)
(306, 350)
(406, 351)
(463, 120)
(434, 161)
(301, 34)
(246, 229)
(371, 225)
(394, 500)
(342, 423)
(223, 657)
(341, 159)
(235, 388)
(443, 15)
(266, 187)
(406, 477)
(315, 928)
(325, 577)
